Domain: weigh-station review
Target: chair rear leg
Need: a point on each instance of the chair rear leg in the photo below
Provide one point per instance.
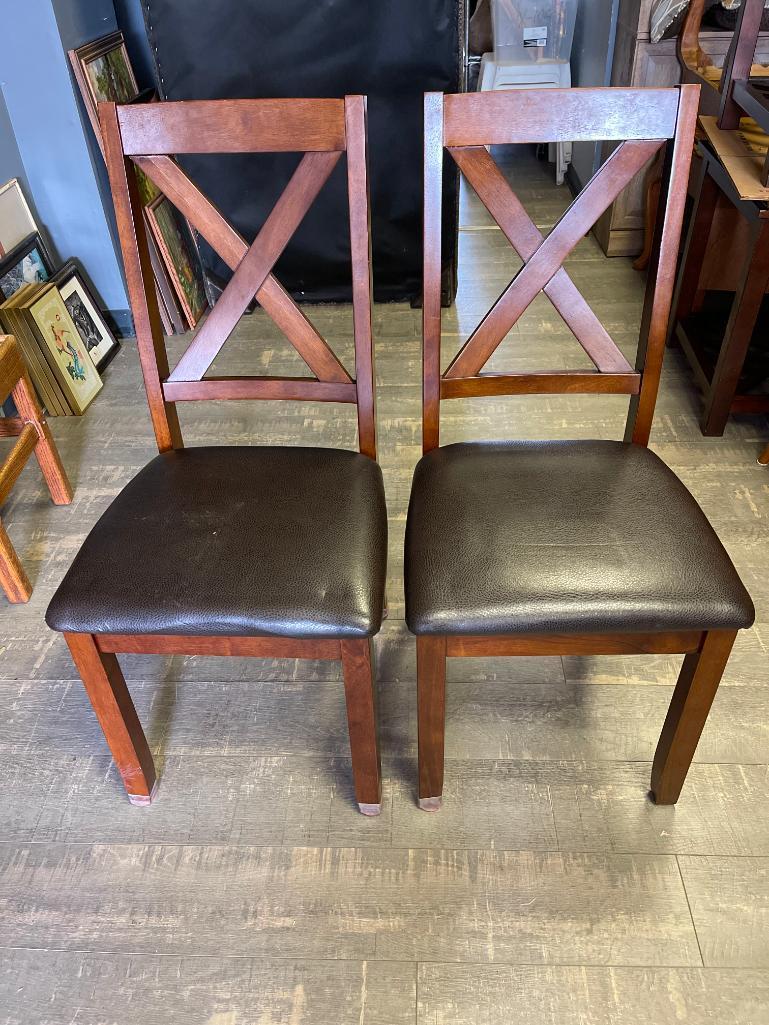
(13, 580)
(357, 668)
(107, 690)
(46, 452)
(696, 687)
(431, 715)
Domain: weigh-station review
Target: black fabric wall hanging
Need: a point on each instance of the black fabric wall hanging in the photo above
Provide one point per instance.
(392, 52)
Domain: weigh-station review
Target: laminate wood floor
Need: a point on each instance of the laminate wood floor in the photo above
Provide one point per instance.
(549, 890)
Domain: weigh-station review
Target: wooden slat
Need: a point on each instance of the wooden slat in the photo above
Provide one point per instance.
(662, 268)
(11, 365)
(431, 270)
(232, 247)
(301, 388)
(602, 189)
(475, 646)
(256, 647)
(551, 115)
(492, 188)
(283, 220)
(140, 280)
(541, 382)
(232, 126)
(17, 460)
(360, 252)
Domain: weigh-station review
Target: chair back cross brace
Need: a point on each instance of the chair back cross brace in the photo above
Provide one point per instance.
(465, 124)
(147, 135)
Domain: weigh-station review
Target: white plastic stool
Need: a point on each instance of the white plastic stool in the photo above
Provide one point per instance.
(544, 74)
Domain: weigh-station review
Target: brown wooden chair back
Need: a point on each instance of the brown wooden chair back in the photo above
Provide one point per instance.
(644, 119)
(146, 136)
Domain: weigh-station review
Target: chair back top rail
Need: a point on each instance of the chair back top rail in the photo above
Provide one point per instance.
(232, 126)
(145, 137)
(643, 120)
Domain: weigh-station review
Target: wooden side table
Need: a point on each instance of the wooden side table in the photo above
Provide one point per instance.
(719, 375)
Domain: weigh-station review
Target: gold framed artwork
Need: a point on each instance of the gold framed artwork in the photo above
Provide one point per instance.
(64, 349)
(103, 72)
(174, 240)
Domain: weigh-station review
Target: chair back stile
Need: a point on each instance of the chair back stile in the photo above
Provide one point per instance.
(146, 137)
(644, 121)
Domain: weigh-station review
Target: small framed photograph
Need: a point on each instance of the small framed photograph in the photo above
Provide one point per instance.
(64, 350)
(88, 319)
(16, 220)
(29, 263)
(174, 240)
(103, 72)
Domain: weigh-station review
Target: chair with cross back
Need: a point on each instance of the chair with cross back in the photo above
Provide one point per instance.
(561, 547)
(265, 551)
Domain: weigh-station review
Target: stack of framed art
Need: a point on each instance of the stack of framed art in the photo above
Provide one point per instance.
(62, 334)
(103, 71)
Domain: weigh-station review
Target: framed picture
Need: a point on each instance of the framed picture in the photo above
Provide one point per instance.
(64, 350)
(94, 332)
(174, 240)
(16, 220)
(29, 263)
(103, 72)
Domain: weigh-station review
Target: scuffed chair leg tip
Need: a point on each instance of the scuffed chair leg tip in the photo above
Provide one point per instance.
(142, 800)
(430, 803)
(370, 809)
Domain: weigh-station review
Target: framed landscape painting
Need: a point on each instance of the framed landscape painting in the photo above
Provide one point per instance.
(29, 263)
(64, 349)
(174, 240)
(103, 72)
(94, 331)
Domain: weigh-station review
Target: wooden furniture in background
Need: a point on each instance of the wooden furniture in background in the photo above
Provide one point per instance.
(723, 278)
(640, 62)
(33, 436)
(461, 603)
(322, 130)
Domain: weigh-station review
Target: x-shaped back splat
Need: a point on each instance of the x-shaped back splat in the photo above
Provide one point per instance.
(543, 258)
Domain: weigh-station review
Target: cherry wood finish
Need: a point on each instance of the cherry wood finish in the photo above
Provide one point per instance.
(33, 435)
(464, 125)
(764, 457)
(146, 136)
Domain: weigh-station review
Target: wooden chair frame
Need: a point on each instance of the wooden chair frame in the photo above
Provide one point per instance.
(465, 124)
(33, 435)
(146, 136)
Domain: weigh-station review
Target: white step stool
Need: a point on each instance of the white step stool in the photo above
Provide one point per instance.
(545, 74)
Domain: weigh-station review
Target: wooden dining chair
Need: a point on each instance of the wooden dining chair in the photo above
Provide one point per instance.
(561, 547)
(259, 551)
(33, 435)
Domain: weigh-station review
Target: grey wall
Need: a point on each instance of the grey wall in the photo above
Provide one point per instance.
(62, 165)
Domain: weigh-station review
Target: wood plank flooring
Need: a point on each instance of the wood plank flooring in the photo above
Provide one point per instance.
(548, 891)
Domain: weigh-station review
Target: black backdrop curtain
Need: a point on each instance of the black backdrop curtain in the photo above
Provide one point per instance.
(391, 51)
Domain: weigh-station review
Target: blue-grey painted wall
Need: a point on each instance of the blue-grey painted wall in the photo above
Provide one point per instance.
(62, 165)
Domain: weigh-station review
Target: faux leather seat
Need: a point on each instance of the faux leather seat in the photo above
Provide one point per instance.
(246, 541)
(562, 537)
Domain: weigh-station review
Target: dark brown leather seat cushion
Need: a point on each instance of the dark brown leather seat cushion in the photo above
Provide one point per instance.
(562, 537)
(285, 541)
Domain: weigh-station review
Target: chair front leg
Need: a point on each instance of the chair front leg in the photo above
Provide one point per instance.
(13, 580)
(357, 668)
(694, 693)
(431, 714)
(107, 690)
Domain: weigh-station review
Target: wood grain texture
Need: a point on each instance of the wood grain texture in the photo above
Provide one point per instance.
(729, 898)
(55, 987)
(348, 903)
(490, 994)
